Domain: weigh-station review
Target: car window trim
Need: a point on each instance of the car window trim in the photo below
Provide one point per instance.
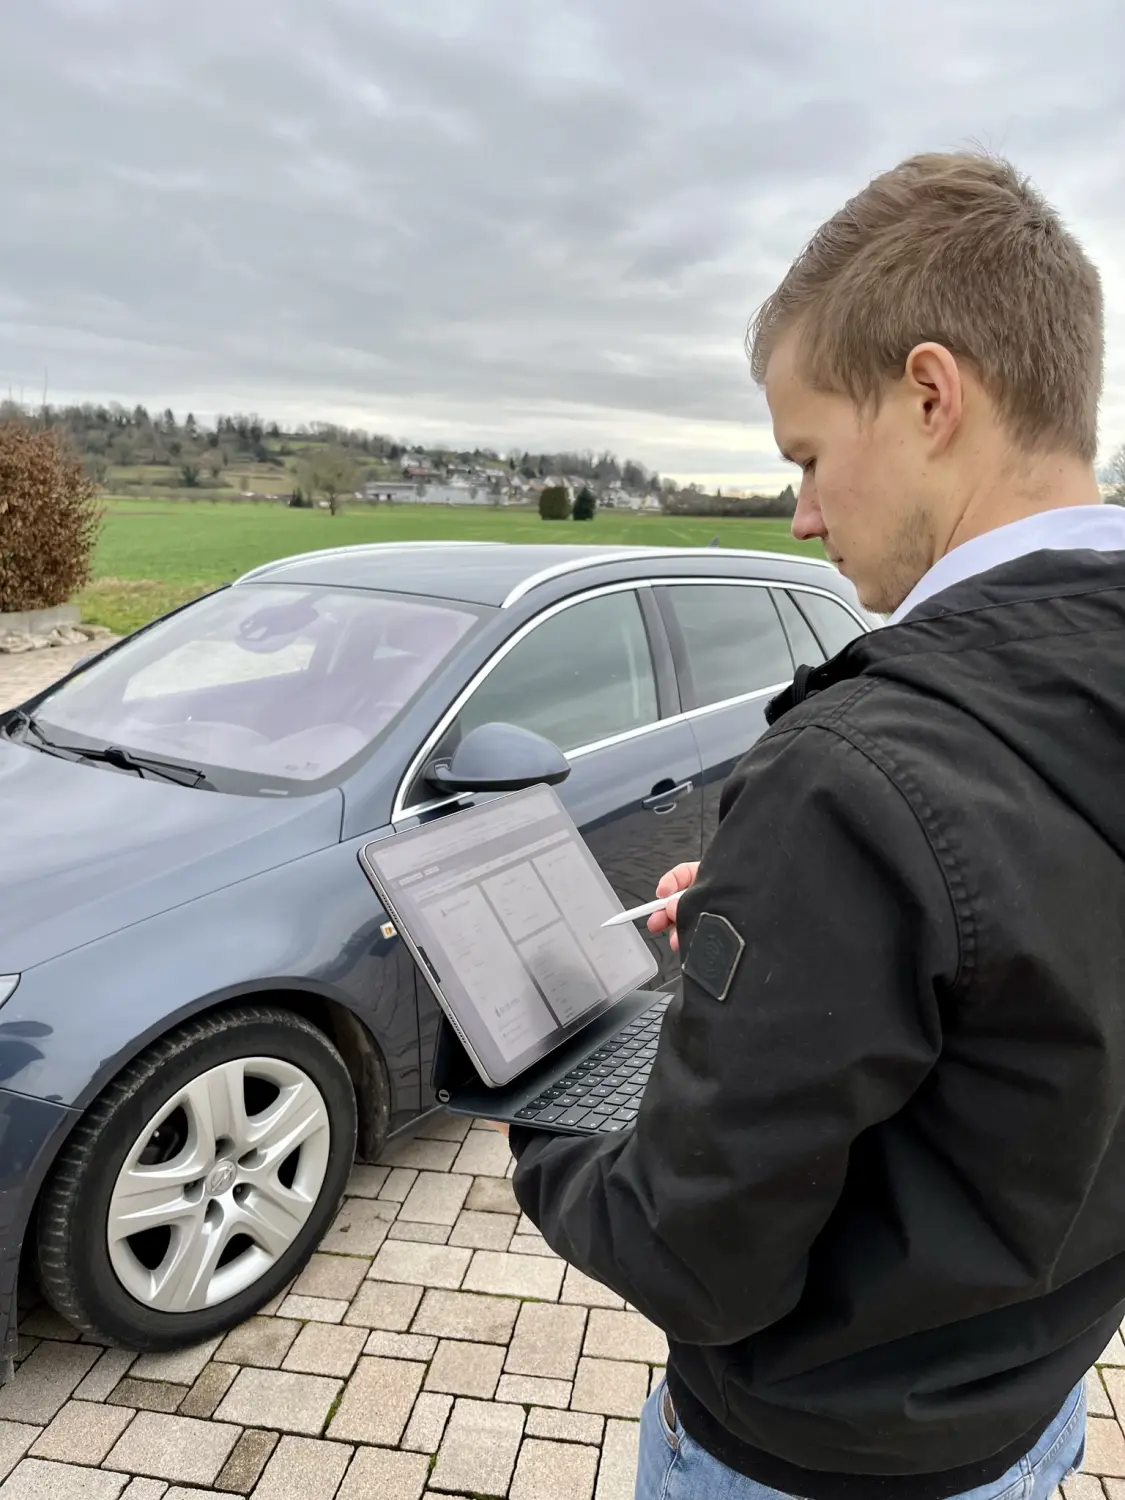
(678, 641)
(787, 626)
(766, 583)
(647, 555)
(811, 624)
(684, 717)
(400, 813)
(669, 699)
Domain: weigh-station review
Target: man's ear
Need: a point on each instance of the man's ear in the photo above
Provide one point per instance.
(934, 384)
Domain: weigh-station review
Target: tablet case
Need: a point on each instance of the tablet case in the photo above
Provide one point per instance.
(458, 1086)
(451, 1071)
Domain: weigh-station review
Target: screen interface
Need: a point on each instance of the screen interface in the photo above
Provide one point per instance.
(504, 903)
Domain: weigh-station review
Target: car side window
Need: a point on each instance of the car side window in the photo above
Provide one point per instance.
(583, 675)
(806, 648)
(834, 625)
(733, 639)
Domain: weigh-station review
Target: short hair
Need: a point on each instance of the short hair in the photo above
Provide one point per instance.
(962, 250)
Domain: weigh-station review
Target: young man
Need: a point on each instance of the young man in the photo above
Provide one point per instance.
(876, 1191)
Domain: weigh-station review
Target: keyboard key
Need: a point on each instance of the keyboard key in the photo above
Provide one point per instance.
(549, 1115)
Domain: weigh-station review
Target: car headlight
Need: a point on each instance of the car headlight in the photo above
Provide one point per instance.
(8, 984)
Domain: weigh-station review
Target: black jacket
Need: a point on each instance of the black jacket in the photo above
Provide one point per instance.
(876, 1195)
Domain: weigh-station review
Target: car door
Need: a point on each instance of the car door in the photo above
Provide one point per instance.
(732, 656)
(584, 675)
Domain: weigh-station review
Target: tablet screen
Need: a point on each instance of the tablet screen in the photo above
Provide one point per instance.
(503, 905)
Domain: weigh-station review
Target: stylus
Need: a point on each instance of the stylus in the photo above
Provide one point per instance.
(637, 912)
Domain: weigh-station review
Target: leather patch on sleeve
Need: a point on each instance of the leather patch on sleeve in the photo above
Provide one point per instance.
(713, 955)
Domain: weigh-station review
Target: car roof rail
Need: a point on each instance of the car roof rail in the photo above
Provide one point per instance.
(281, 562)
(575, 564)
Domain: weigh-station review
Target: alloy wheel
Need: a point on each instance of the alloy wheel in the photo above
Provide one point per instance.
(218, 1184)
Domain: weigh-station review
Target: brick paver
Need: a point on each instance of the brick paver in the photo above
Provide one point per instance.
(434, 1346)
(412, 1370)
(392, 1367)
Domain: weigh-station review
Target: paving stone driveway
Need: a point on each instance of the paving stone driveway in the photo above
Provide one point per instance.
(434, 1346)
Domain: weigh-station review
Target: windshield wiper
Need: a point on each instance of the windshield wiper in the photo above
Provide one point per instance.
(114, 755)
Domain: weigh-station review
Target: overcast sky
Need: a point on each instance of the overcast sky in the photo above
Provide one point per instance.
(540, 223)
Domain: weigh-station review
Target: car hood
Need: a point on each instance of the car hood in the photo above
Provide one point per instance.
(85, 851)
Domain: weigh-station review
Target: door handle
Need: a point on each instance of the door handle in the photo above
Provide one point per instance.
(664, 801)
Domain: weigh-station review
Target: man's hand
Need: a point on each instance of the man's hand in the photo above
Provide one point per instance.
(672, 884)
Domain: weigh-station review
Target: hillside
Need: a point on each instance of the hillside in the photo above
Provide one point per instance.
(135, 452)
(138, 452)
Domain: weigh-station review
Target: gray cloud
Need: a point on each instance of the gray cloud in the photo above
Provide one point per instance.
(514, 221)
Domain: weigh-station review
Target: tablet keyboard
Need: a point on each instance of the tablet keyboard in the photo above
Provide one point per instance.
(603, 1093)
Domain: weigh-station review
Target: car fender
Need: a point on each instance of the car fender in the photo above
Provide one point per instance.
(30, 1133)
(312, 926)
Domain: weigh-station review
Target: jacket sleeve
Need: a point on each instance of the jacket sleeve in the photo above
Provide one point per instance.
(704, 1214)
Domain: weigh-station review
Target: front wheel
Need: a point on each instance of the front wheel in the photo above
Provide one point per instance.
(199, 1182)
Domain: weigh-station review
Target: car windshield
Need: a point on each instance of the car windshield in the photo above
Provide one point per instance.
(283, 682)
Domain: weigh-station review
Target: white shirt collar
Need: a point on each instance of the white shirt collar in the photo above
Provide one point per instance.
(1094, 528)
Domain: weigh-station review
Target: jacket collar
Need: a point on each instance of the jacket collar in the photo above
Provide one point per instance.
(1039, 594)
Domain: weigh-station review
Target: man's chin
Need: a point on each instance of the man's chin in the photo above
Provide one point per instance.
(871, 596)
(873, 599)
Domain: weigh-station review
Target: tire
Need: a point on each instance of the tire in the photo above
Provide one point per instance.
(237, 1197)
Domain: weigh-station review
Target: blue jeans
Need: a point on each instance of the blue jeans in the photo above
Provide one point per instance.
(673, 1467)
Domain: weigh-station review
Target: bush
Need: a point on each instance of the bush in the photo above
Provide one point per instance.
(554, 504)
(585, 504)
(49, 519)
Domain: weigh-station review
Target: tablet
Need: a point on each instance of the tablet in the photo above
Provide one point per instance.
(502, 906)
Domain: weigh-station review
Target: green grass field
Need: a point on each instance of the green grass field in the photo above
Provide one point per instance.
(154, 554)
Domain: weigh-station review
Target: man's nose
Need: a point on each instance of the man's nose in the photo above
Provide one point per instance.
(808, 523)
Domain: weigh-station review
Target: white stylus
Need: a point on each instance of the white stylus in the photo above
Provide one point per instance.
(637, 912)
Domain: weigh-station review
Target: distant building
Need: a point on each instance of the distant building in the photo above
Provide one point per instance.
(390, 489)
(419, 493)
(420, 470)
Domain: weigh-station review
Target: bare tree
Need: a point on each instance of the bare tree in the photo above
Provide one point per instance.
(330, 473)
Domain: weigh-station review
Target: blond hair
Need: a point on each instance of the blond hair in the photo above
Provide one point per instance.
(962, 250)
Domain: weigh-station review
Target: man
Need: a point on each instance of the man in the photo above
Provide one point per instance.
(875, 1194)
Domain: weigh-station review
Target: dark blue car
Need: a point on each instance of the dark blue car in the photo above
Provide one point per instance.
(204, 1013)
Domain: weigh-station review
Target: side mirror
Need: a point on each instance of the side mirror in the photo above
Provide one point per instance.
(501, 758)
